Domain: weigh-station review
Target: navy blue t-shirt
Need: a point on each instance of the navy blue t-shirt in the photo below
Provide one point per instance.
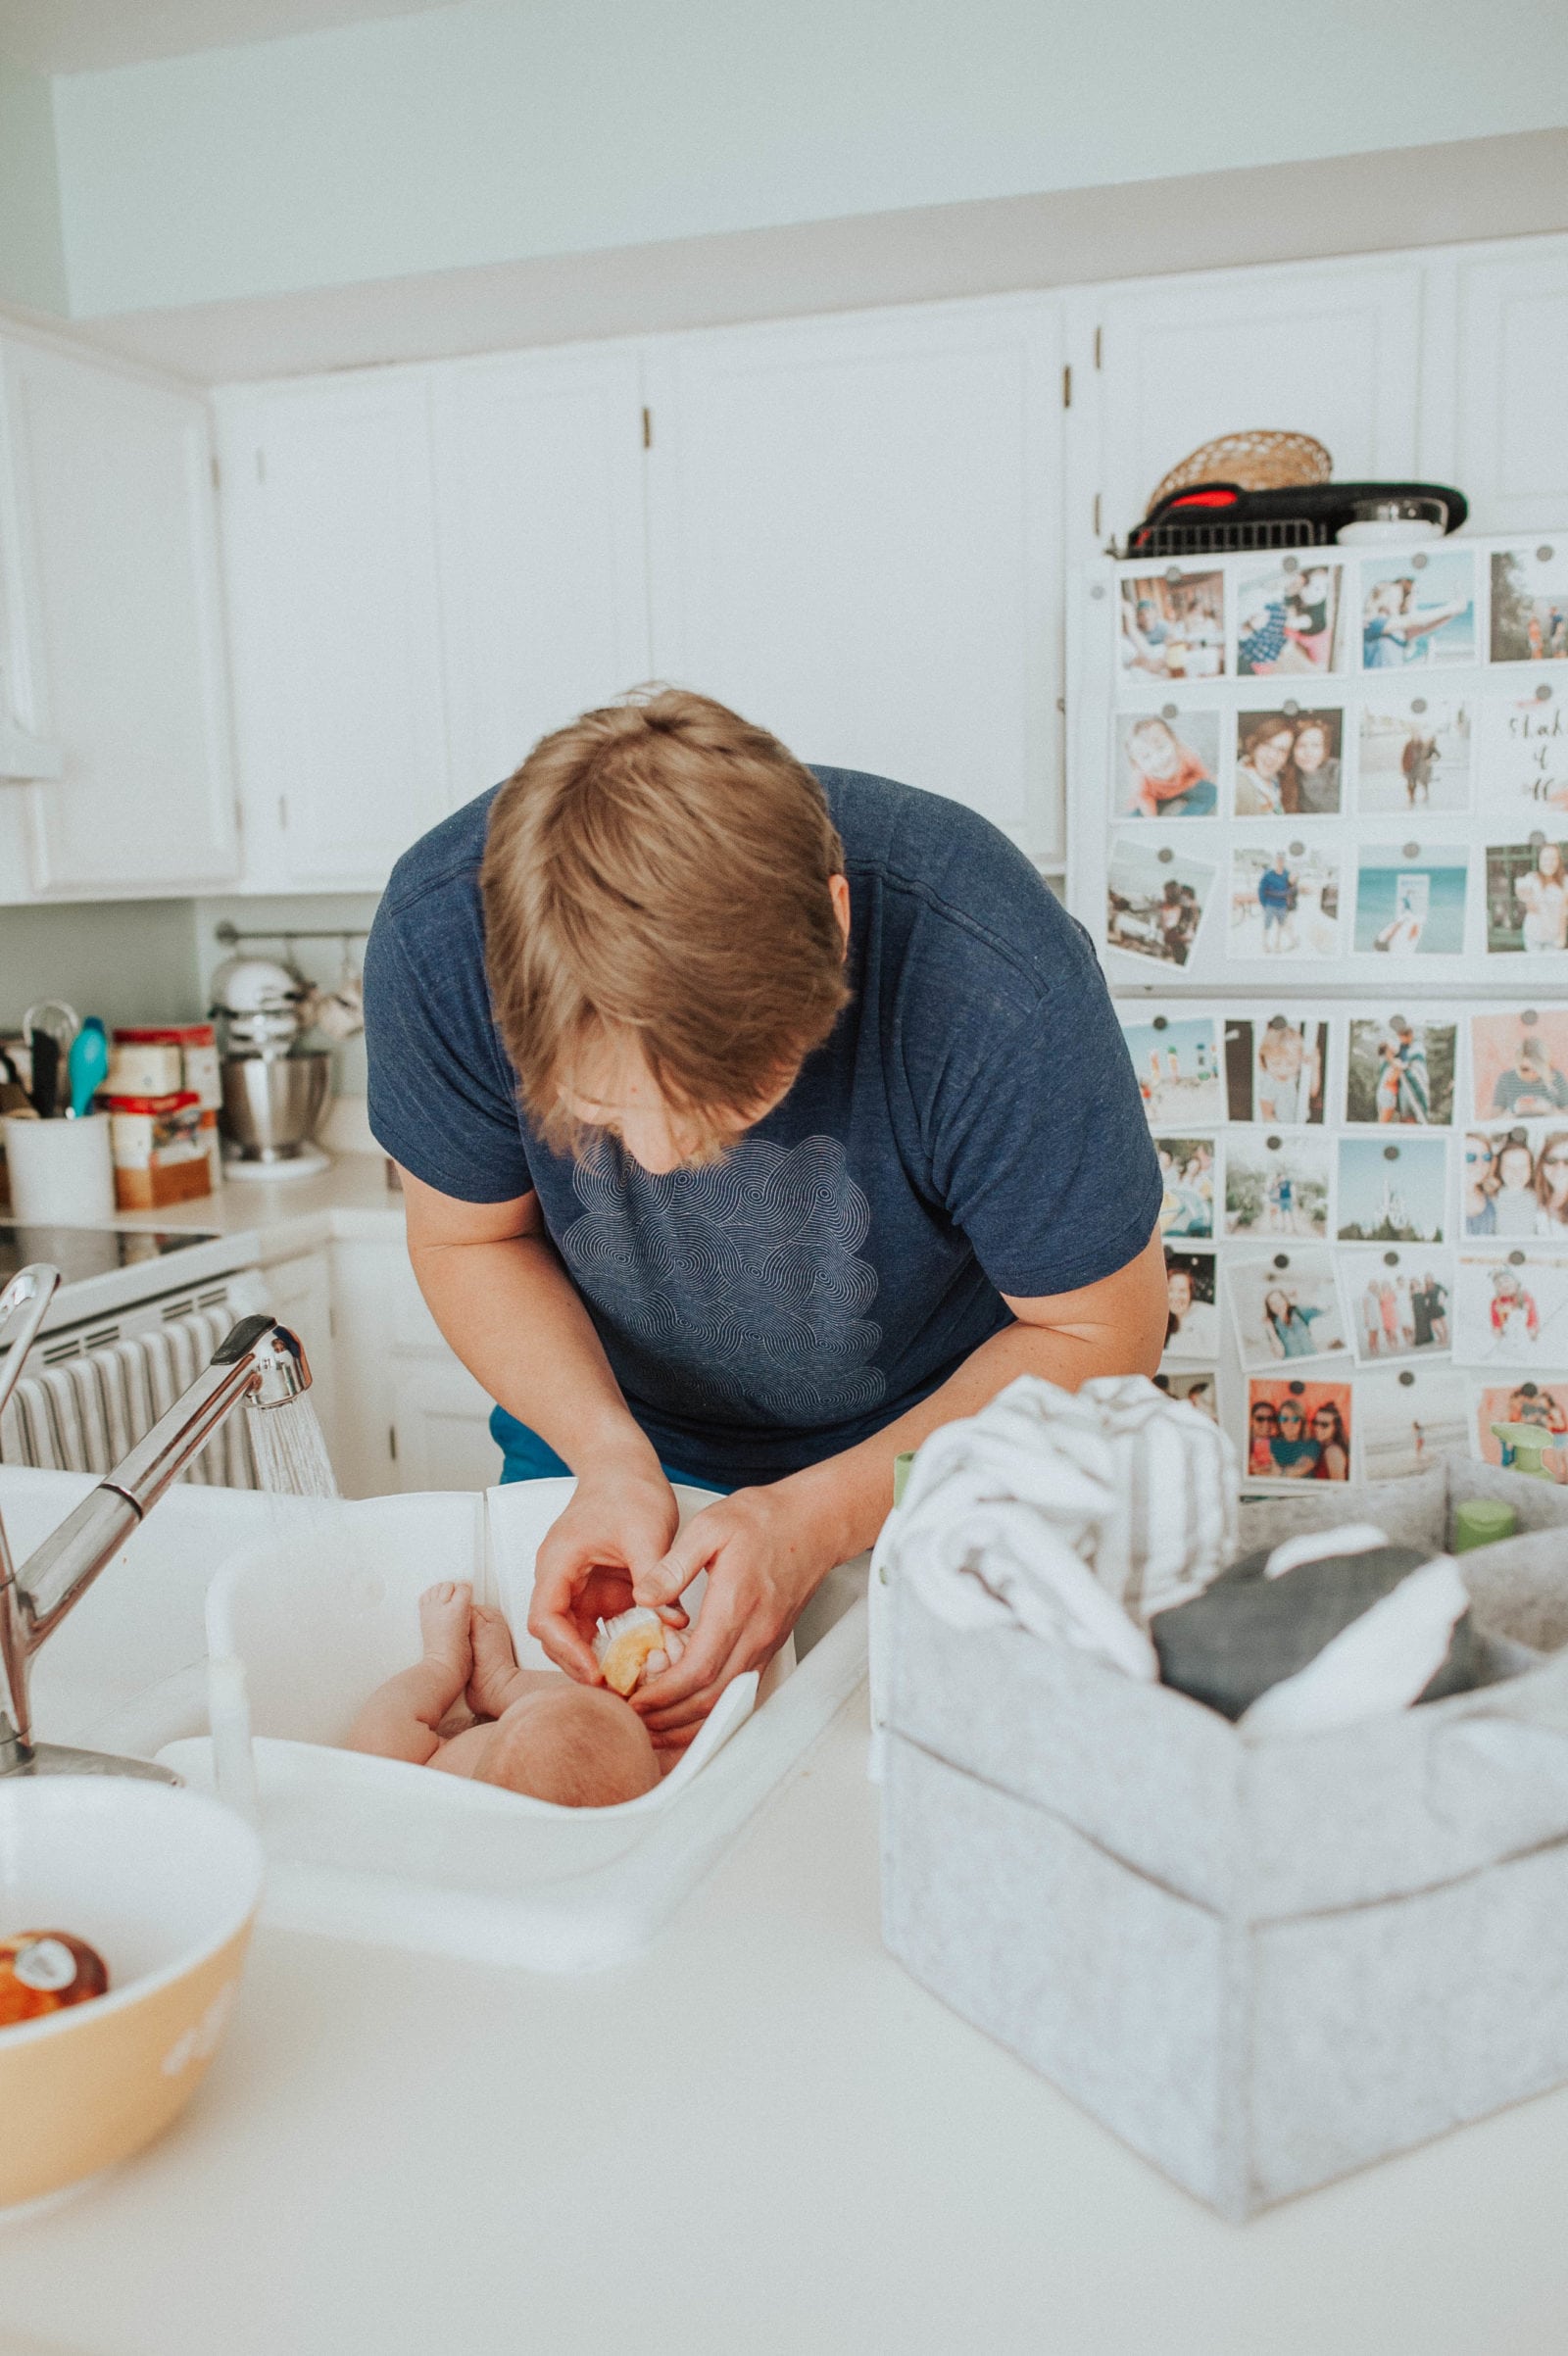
(971, 1127)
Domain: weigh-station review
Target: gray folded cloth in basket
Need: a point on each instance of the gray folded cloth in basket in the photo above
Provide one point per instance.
(1327, 1629)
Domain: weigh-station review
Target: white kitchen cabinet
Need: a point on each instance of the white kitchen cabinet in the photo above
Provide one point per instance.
(408, 1415)
(543, 566)
(441, 1428)
(1512, 329)
(115, 640)
(1165, 364)
(329, 537)
(852, 540)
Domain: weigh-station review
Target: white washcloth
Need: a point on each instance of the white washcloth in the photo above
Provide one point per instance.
(1072, 1515)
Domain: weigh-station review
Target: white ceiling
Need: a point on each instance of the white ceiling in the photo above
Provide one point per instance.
(77, 36)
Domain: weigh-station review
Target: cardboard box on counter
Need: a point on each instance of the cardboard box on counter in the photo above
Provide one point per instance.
(164, 1148)
(1261, 1961)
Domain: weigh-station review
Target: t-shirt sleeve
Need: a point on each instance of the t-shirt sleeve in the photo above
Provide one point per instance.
(1038, 1144)
(442, 1094)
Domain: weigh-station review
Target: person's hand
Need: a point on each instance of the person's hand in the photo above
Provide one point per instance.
(614, 1530)
(765, 1552)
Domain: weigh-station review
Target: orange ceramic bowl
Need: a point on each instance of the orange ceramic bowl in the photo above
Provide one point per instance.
(165, 1885)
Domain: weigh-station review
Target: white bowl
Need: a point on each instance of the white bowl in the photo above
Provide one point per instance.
(165, 1885)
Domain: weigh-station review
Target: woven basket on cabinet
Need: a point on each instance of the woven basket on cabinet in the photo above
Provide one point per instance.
(1255, 462)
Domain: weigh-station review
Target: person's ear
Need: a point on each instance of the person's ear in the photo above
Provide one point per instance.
(839, 892)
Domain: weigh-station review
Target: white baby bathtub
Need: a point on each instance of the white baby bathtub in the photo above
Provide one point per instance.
(301, 1629)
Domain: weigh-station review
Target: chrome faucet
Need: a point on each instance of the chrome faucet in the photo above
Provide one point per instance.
(258, 1363)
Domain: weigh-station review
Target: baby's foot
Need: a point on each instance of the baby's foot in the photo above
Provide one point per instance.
(444, 1626)
(495, 1663)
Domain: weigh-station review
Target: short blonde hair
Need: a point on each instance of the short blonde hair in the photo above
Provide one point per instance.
(657, 873)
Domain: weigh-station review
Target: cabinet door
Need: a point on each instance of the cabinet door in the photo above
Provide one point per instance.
(120, 610)
(1512, 457)
(849, 533)
(544, 593)
(330, 545)
(1328, 352)
(441, 1423)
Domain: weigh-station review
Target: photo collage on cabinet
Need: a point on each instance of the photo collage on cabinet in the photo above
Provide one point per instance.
(1365, 1222)
(1327, 762)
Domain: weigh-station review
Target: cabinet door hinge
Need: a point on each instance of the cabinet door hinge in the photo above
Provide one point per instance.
(1066, 388)
(392, 1441)
(1096, 515)
(217, 475)
(1099, 347)
(648, 429)
(240, 815)
(260, 465)
(282, 812)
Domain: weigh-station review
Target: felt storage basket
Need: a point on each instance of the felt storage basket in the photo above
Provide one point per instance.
(1262, 1962)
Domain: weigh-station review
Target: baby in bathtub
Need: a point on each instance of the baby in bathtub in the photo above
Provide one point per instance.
(536, 1730)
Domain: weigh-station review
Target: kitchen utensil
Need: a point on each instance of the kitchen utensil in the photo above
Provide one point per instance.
(258, 1001)
(272, 1104)
(62, 1172)
(163, 1885)
(49, 1028)
(87, 1064)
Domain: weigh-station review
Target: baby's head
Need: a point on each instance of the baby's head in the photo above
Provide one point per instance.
(580, 1746)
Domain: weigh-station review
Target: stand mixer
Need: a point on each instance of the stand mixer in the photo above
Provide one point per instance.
(273, 1088)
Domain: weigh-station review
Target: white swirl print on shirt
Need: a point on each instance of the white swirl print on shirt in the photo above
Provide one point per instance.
(739, 1287)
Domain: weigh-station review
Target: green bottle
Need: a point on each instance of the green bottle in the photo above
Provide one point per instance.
(1481, 1522)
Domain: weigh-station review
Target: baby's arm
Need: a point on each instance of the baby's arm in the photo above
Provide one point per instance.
(401, 1717)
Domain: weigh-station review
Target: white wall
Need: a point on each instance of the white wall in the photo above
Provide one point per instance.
(32, 260)
(509, 129)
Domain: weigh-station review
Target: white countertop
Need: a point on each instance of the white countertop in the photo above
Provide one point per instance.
(762, 2137)
(350, 1198)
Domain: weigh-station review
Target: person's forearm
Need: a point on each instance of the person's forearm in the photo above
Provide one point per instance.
(852, 1492)
(511, 1315)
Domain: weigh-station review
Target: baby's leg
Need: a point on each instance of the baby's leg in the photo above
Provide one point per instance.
(497, 1682)
(401, 1717)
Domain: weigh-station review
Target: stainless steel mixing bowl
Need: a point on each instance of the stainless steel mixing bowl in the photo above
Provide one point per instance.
(271, 1103)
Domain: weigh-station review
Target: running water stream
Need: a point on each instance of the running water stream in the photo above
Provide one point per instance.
(291, 1458)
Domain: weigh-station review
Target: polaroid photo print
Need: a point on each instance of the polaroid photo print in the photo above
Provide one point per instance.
(1289, 616)
(1409, 1419)
(1284, 1305)
(1418, 610)
(1154, 900)
(1410, 899)
(1171, 624)
(1288, 763)
(1298, 1427)
(1414, 755)
(1521, 757)
(1277, 1185)
(1199, 1388)
(1530, 603)
(1176, 1058)
(1284, 901)
(1514, 1183)
(1275, 1067)
(1192, 1328)
(1166, 764)
(1519, 1065)
(1527, 897)
(1398, 1071)
(1399, 1303)
(1393, 1194)
(1511, 1309)
(1507, 1417)
(1188, 1166)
